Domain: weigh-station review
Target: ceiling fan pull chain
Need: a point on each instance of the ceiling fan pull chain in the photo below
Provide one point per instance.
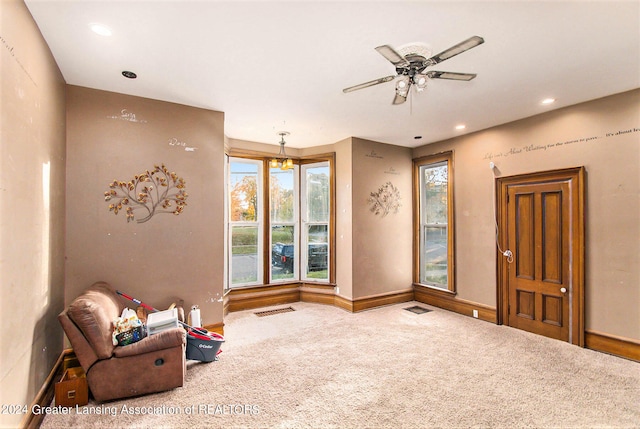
(410, 104)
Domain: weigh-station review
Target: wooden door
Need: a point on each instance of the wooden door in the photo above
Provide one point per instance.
(542, 224)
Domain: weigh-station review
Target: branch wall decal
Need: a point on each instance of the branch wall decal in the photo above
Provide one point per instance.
(385, 200)
(154, 192)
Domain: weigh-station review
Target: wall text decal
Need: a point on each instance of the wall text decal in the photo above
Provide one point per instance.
(10, 49)
(550, 146)
(373, 154)
(125, 115)
(175, 142)
(391, 170)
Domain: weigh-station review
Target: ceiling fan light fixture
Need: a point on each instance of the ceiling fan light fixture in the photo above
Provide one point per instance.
(420, 80)
(402, 87)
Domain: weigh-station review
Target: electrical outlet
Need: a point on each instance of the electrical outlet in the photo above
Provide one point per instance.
(475, 313)
(337, 290)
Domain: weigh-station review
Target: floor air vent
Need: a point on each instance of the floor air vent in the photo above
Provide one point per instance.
(417, 309)
(276, 311)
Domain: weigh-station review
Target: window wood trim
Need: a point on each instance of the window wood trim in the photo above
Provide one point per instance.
(308, 159)
(417, 204)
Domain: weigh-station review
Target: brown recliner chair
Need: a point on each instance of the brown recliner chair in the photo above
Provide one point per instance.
(154, 364)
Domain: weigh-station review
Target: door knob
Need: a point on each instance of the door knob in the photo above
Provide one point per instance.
(563, 290)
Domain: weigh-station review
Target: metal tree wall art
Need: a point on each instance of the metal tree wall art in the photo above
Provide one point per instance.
(157, 191)
(385, 200)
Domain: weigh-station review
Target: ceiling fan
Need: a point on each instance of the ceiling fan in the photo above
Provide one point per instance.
(410, 68)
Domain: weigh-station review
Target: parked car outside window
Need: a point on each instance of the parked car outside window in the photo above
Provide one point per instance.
(282, 256)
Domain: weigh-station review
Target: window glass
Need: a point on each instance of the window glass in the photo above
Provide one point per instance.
(245, 200)
(317, 193)
(282, 198)
(317, 251)
(283, 253)
(283, 203)
(435, 193)
(244, 254)
(316, 202)
(435, 231)
(435, 255)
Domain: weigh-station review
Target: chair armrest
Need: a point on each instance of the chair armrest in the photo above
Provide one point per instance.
(164, 340)
(81, 347)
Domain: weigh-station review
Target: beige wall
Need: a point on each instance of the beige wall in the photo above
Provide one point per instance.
(32, 197)
(382, 244)
(344, 218)
(114, 137)
(586, 135)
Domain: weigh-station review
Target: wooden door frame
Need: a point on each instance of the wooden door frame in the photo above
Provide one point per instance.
(576, 177)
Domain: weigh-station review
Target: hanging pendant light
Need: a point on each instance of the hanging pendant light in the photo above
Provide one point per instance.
(281, 160)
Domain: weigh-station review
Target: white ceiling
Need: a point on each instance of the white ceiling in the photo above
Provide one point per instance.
(272, 66)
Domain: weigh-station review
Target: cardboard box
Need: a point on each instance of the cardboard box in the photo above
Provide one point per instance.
(72, 388)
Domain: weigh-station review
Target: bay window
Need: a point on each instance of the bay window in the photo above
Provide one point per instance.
(279, 222)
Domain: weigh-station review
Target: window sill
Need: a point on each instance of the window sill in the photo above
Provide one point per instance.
(288, 284)
(435, 289)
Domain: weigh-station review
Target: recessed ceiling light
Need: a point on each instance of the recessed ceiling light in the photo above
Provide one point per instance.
(548, 101)
(100, 29)
(129, 74)
(461, 127)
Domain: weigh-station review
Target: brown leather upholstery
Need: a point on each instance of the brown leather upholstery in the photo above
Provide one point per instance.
(94, 312)
(154, 364)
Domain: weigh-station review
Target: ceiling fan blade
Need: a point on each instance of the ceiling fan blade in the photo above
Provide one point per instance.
(450, 75)
(399, 99)
(368, 84)
(390, 54)
(471, 42)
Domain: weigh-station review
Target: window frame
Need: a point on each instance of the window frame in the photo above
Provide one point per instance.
(419, 225)
(266, 237)
(295, 224)
(306, 223)
(259, 223)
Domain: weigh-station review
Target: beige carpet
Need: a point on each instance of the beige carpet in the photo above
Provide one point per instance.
(323, 367)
